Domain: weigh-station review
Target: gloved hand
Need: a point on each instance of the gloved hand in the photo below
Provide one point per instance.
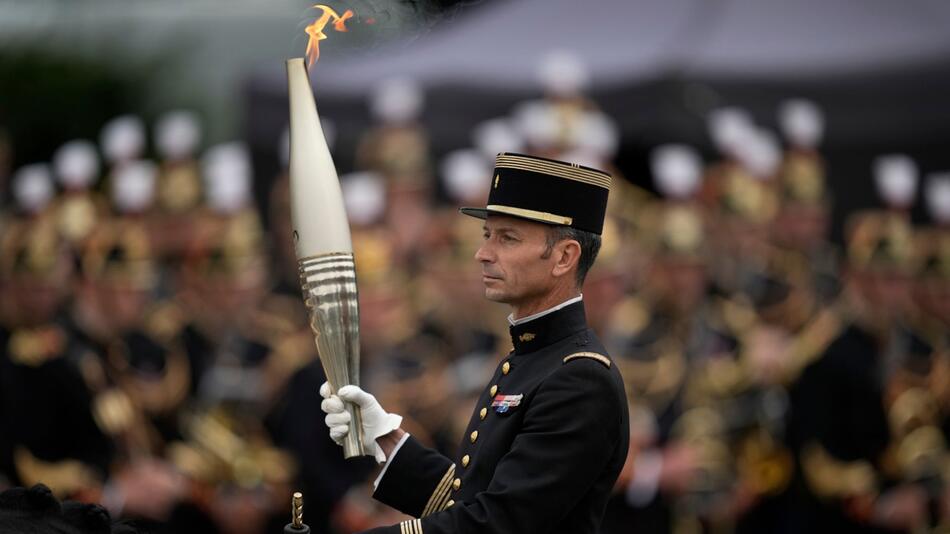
(376, 421)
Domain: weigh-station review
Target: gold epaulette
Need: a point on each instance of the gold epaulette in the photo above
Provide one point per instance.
(592, 355)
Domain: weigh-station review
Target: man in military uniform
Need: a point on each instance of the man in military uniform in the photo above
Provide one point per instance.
(550, 434)
(803, 220)
(666, 339)
(839, 423)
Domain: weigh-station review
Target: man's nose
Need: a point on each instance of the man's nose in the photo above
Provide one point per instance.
(483, 254)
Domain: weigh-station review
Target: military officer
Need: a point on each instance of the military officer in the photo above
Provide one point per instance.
(549, 434)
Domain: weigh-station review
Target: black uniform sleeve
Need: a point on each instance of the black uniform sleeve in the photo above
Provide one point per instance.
(570, 429)
(417, 480)
(838, 424)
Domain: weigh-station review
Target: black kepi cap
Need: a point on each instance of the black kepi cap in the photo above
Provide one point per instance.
(547, 191)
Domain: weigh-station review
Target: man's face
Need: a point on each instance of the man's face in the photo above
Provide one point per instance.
(511, 255)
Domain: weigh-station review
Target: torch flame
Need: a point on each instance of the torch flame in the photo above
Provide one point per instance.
(315, 30)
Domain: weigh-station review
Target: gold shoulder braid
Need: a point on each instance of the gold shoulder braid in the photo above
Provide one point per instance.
(592, 355)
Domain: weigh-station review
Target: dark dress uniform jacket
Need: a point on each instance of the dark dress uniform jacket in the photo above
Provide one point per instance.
(543, 459)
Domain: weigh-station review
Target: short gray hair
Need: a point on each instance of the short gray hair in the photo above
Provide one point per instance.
(589, 242)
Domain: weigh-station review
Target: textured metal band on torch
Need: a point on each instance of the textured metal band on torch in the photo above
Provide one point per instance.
(324, 248)
(329, 289)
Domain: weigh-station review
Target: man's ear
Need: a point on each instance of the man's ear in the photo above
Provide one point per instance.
(566, 254)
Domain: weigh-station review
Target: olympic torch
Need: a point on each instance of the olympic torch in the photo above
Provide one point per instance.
(324, 248)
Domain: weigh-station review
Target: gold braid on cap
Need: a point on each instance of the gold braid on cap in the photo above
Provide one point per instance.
(554, 168)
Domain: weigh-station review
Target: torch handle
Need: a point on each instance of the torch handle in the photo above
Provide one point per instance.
(329, 289)
(353, 443)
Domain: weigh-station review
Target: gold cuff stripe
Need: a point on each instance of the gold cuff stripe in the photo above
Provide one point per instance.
(413, 526)
(555, 169)
(446, 503)
(531, 214)
(442, 502)
(592, 355)
(440, 493)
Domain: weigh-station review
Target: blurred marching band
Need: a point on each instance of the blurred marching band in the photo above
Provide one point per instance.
(156, 356)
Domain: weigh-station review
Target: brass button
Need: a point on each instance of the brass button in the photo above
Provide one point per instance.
(493, 390)
(456, 484)
(474, 435)
(505, 367)
(450, 504)
(465, 460)
(483, 413)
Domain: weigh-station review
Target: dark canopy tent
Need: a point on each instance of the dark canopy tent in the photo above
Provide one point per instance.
(878, 68)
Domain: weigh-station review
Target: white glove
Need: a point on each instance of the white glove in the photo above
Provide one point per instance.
(376, 422)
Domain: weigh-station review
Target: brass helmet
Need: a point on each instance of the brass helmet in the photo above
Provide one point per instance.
(227, 247)
(31, 247)
(119, 253)
(879, 241)
(675, 231)
(932, 247)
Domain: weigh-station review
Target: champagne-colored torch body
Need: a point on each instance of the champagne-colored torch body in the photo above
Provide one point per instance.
(324, 247)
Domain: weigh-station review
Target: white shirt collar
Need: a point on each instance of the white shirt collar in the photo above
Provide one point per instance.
(514, 322)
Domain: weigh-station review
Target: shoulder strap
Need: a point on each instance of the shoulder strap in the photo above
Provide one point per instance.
(592, 355)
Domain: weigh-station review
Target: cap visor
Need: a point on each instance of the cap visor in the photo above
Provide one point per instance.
(482, 213)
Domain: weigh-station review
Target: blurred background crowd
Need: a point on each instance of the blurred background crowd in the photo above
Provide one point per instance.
(777, 298)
